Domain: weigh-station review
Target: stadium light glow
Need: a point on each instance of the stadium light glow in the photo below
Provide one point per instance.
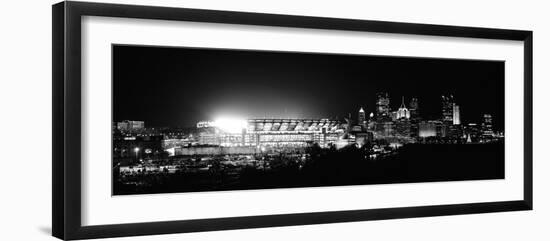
(230, 125)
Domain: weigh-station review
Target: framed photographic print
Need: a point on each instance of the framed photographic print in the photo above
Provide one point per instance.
(170, 120)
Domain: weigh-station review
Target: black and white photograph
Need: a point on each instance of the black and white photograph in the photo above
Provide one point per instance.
(275, 120)
(205, 119)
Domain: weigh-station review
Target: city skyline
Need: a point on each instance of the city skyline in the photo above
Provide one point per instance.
(244, 119)
(413, 110)
(257, 84)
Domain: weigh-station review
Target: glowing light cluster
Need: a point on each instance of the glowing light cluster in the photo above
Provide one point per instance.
(230, 125)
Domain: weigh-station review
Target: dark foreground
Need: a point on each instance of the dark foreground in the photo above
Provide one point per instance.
(327, 167)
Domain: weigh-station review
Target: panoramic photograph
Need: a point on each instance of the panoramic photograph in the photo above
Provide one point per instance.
(205, 119)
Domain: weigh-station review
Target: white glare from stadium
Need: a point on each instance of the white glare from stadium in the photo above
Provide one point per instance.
(230, 124)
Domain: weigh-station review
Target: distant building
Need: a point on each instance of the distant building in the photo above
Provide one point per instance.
(171, 143)
(382, 105)
(487, 125)
(122, 125)
(414, 128)
(455, 132)
(363, 138)
(129, 125)
(414, 116)
(447, 103)
(427, 129)
(136, 146)
(472, 132)
(371, 122)
(403, 112)
(393, 115)
(204, 124)
(362, 120)
(277, 133)
(384, 129)
(456, 115)
(432, 128)
(403, 128)
(413, 108)
(442, 128)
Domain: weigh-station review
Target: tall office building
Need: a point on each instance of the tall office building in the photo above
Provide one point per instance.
(403, 112)
(413, 108)
(487, 125)
(456, 115)
(362, 120)
(447, 103)
(382, 104)
(415, 116)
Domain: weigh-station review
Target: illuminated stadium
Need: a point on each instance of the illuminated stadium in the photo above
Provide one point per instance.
(271, 133)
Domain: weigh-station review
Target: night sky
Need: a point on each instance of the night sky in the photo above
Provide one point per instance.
(179, 86)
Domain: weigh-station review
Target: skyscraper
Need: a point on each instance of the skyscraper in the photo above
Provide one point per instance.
(456, 115)
(415, 116)
(447, 103)
(487, 125)
(362, 120)
(382, 104)
(403, 112)
(413, 108)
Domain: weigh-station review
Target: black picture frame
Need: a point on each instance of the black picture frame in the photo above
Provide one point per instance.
(66, 129)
